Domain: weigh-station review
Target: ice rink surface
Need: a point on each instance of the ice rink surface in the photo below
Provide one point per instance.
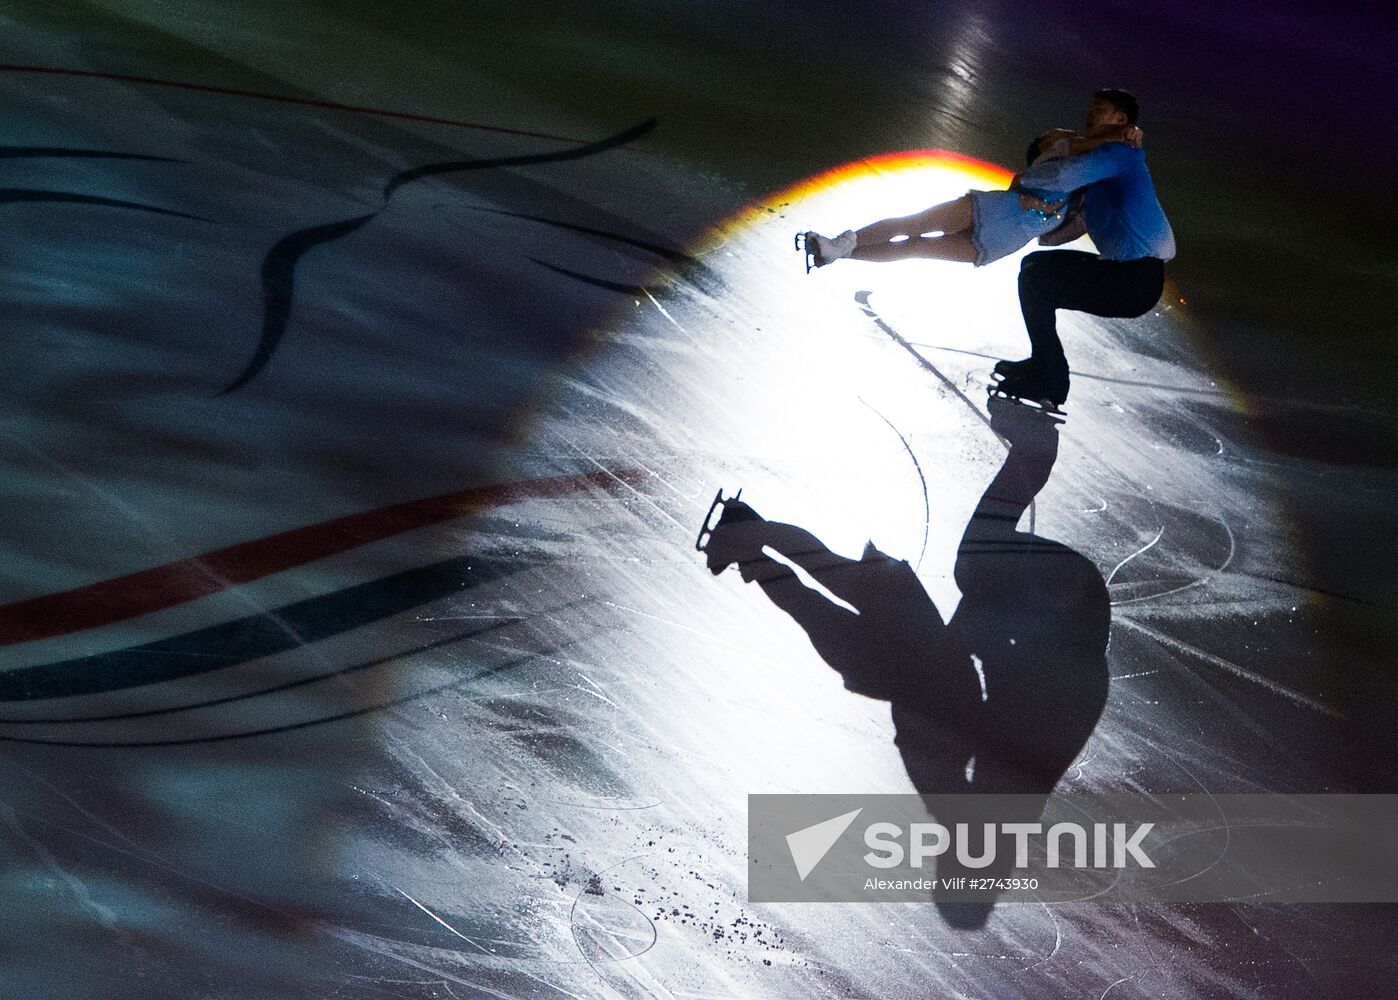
(369, 374)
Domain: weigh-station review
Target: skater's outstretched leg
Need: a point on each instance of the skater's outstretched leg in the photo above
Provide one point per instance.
(952, 246)
(949, 217)
(951, 220)
(743, 541)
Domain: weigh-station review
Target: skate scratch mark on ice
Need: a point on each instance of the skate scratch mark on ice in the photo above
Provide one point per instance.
(137, 849)
(149, 857)
(1226, 827)
(646, 417)
(673, 749)
(600, 806)
(1081, 765)
(587, 457)
(472, 942)
(75, 885)
(1227, 561)
(1113, 986)
(58, 614)
(596, 690)
(369, 943)
(573, 911)
(926, 501)
(1187, 390)
(1146, 548)
(679, 625)
(1309, 589)
(662, 480)
(674, 322)
(1293, 696)
(279, 266)
(309, 102)
(446, 791)
(1057, 939)
(862, 298)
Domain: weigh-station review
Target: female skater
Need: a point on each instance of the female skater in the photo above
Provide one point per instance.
(977, 228)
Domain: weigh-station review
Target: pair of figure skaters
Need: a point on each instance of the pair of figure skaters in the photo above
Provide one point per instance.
(1095, 183)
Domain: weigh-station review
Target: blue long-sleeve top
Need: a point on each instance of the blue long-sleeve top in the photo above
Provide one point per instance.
(1123, 215)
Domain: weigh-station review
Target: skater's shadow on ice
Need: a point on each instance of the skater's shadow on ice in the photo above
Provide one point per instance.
(1002, 698)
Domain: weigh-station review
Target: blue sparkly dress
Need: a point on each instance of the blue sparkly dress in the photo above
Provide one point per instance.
(1000, 226)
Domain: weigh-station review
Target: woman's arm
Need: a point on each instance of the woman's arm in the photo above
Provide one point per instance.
(1129, 134)
(1076, 146)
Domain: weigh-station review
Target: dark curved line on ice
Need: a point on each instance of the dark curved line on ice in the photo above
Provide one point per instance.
(22, 152)
(279, 289)
(660, 251)
(279, 266)
(524, 159)
(636, 291)
(23, 195)
(309, 102)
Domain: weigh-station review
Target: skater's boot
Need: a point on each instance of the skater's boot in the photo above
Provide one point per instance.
(738, 537)
(821, 250)
(1006, 368)
(1044, 386)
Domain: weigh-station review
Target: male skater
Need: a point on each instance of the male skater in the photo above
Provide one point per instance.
(1117, 206)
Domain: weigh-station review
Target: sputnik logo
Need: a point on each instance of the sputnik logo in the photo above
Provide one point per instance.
(811, 844)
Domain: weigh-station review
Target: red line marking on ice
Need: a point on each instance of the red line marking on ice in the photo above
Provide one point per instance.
(161, 587)
(309, 102)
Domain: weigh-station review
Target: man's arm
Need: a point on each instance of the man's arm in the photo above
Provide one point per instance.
(1129, 134)
(1075, 172)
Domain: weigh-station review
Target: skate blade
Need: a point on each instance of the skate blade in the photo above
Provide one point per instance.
(808, 255)
(1042, 405)
(707, 528)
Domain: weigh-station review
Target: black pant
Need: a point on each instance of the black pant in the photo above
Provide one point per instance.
(1070, 279)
